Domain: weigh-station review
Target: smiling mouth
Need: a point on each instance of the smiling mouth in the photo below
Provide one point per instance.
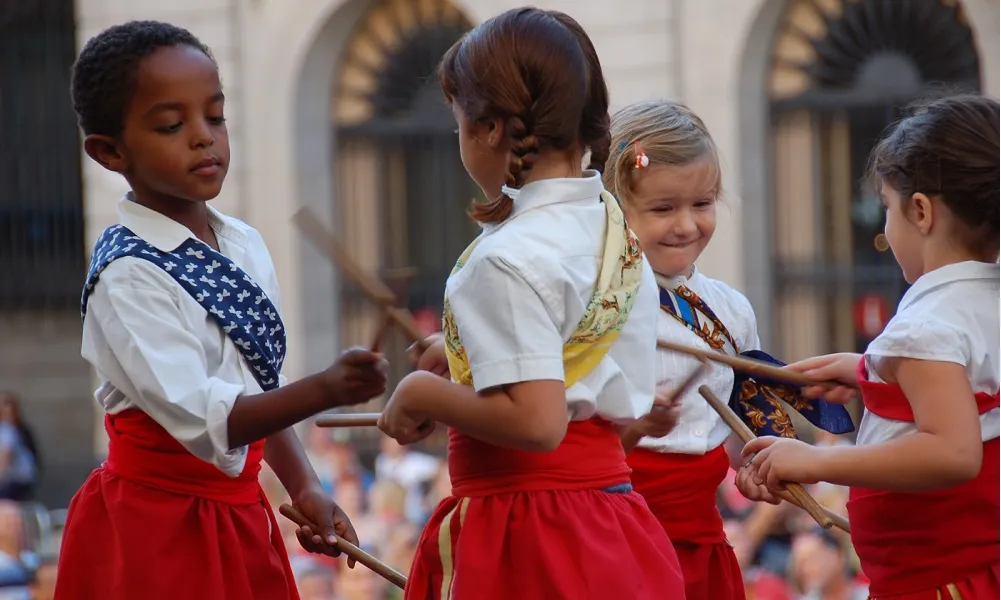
(679, 246)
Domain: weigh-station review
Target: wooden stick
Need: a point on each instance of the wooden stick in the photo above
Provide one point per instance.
(745, 365)
(382, 569)
(384, 327)
(398, 282)
(377, 291)
(795, 492)
(348, 420)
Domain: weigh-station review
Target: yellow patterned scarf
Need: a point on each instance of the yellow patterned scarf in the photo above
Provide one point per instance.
(618, 283)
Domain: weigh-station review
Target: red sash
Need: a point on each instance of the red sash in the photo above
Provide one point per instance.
(141, 451)
(681, 491)
(155, 522)
(590, 457)
(888, 400)
(908, 542)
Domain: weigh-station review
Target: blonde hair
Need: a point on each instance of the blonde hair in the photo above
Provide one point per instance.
(669, 133)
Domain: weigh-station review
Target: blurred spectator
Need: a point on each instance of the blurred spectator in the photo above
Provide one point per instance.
(360, 583)
(316, 583)
(18, 453)
(819, 569)
(14, 577)
(409, 468)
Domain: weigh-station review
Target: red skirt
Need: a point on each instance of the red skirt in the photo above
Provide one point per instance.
(156, 523)
(681, 491)
(537, 526)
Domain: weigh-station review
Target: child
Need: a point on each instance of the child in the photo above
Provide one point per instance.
(182, 323)
(545, 330)
(924, 473)
(666, 173)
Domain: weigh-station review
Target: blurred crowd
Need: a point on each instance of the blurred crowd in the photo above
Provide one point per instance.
(783, 554)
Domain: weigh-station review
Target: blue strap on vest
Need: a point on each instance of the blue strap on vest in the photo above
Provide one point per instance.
(240, 307)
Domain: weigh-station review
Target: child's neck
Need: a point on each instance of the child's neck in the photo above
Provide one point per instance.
(940, 254)
(555, 164)
(193, 215)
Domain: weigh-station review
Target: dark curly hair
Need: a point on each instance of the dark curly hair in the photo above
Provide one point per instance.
(104, 76)
(948, 148)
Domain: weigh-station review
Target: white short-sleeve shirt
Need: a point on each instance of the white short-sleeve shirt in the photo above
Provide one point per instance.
(156, 349)
(524, 289)
(950, 314)
(700, 429)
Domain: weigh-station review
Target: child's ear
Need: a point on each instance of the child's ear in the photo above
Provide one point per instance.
(495, 132)
(105, 151)
(922, 212)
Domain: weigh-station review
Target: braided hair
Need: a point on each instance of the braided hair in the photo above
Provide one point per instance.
(104, 76)
(545, 84)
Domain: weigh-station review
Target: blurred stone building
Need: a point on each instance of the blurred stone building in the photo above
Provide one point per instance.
(331, 106)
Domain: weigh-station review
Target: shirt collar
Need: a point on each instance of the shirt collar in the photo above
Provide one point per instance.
(166, 234)
(969, 270)
(674, 282)
(546, 192)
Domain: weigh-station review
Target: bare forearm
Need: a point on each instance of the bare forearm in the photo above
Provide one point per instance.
(284, 454)
(493, 417)
(262, 415)
(912, 463)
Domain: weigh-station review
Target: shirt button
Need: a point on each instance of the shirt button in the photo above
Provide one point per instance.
(699, 431)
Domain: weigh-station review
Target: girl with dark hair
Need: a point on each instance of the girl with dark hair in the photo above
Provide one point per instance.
(924, 474)
(547, 338)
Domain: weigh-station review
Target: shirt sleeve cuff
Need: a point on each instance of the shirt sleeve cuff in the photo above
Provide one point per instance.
(222, 397)
(516, 370)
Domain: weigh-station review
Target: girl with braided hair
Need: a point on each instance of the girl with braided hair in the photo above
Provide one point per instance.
(546, 338)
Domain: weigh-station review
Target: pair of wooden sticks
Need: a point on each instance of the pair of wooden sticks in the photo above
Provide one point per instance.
(387, 300)
(745, 365)
(794, 494)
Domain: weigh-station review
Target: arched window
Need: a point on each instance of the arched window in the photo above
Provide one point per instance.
(841, 72)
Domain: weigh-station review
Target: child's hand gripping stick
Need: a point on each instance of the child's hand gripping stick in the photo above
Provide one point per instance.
(794, 493)
(382, 569)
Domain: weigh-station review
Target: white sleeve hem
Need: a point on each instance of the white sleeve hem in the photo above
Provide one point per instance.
(915, 355)
(516, 370)
(223, 396)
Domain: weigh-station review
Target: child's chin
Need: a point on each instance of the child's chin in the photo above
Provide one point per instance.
(672, 265)
(203, 195)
